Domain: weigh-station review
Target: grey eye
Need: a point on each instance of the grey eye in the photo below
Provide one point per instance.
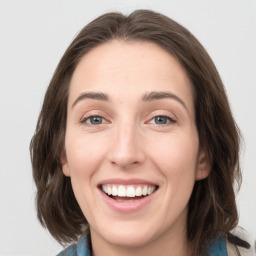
(94, 120)
(161, 119)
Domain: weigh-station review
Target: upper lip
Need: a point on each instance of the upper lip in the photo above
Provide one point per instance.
(127, 182)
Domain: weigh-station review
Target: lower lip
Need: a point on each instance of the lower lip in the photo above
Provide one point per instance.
(129, 206)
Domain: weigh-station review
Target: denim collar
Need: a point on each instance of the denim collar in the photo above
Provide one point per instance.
(216, 248)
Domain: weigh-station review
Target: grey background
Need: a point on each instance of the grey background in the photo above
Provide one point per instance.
(33, 37)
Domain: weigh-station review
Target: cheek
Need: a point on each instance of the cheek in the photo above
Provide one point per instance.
(176, 154)
(176, 158)
(83, 159)
(83, 155)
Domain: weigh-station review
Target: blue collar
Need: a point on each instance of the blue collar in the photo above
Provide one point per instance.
(79, 249)
(216, 248)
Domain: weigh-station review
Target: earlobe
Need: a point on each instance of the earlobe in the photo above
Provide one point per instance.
(65, 170)
(203, 166)
(64, 163)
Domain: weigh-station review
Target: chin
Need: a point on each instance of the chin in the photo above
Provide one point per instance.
(131, 239)
(128, 235)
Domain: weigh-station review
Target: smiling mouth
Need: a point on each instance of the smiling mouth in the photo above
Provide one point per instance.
(124, 193)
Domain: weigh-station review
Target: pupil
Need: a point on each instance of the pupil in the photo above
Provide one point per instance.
(161, 120)
(96, 120)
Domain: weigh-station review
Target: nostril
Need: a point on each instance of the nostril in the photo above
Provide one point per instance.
(125, 162)
(126, 152)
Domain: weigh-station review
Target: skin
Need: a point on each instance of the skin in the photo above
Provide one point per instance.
(129, 143)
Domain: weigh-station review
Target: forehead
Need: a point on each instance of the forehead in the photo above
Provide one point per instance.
(118, 66)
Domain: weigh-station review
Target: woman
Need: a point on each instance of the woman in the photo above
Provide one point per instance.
(136, 150)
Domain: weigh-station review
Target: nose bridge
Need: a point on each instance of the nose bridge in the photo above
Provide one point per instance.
(126, 150)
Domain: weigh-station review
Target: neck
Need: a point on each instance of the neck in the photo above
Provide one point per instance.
(175, 244)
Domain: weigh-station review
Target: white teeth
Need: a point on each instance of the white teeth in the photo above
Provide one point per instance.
(150, 190)
(109, 191)
(121, 191)
(105, 189)
(114, 191)
(128, 191)
(138, 191)
(145, 191)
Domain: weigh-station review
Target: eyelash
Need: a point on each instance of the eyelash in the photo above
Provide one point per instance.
(90, 117)
(168, 120)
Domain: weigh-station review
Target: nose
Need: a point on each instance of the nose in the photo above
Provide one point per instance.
(127, 149)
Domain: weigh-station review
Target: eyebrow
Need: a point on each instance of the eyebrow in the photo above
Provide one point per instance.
(91, 95)
(151, 96)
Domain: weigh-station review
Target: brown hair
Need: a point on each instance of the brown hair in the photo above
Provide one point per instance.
(212, 207)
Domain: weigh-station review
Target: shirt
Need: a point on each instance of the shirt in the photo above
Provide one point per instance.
(216, 248)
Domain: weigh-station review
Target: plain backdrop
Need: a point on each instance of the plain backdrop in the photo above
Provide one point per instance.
(33, 37)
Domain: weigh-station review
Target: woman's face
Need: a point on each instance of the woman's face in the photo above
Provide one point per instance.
(131, 145)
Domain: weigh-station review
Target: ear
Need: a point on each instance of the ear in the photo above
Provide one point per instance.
(203, 166)
(64, 163)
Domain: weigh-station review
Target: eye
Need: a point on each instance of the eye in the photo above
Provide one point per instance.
(162, 120)
(93, 120)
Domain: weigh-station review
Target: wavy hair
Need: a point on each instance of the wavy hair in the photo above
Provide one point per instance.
(212, 208)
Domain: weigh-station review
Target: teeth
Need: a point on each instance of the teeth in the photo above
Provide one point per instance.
(109, 191)
(114, 191)
(104, 188)
(121, 191)
(122, 200)
(138, 191)
(128, 191)
(145, 191)
(151, 190)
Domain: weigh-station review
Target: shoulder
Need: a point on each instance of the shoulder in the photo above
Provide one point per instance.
(70, 251)
(221, 245)
(81, 248)
(218, 246)
(236, 250)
